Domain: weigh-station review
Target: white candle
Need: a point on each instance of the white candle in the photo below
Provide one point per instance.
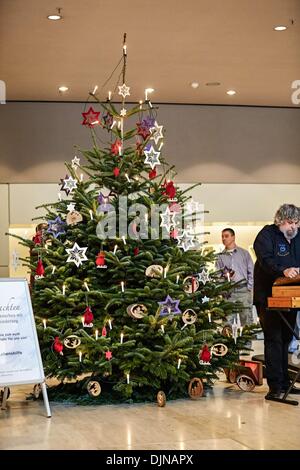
(81, 177)
(96, 334)
(162, 328)
(120, 150)
(53, 269)
(228, 277)
(64, 289)
(165, 272)
(44, 323)
(113, 124)
(127, 177)
(82, 321)
(121, 338)
(177, 278)
(115, 249)
(241, 330)
(95, 89)
(179, 363)
(109, 95)
(86, 286)
(160, 147)
(110, 324)
(127, 377)
(141, 104)
(124, 241)
(122, 286)
(91, 214)
(80, 356)
(209, 317)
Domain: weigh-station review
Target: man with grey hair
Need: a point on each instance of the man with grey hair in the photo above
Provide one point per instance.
(277, 248)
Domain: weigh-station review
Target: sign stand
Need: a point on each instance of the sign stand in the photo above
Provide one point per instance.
(20, 356)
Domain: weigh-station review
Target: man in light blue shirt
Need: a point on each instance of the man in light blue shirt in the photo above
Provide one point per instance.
(237, 265)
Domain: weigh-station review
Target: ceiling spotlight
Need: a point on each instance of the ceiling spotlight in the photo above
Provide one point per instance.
(213, 83)
(231, 92)
(280, 28)
(56, 16)
(194, 85)
(62, 89)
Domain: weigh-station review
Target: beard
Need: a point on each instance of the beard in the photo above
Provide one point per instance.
(289, 233)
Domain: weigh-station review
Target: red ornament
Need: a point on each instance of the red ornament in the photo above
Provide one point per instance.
(104, 331)
(143, 130)
(116, 171)
(100, 260)
(116, 147)
(58, 346)
(152, 174)
(40, 270)
(88, 316)
(174, 233)
(90, 118)
(170, 189)
(108, 355)
(136, 251)
(205, 354)
(38, 238)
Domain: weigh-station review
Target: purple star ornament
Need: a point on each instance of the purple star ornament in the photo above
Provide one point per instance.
(56, 227)
(169, 307)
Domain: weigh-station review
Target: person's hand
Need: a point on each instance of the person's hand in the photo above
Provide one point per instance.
(291, 272)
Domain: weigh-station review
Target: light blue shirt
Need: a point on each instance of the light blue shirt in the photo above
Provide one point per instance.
(239, 261)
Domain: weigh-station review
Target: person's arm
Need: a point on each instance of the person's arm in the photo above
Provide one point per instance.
(250, 267)
(219, 262)
(264, 251)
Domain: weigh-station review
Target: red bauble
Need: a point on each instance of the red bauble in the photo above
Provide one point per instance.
(152, 174)
(136, 251)
(57, 345)
(104, 331)
(40, 270)
(90, 118)
(205, 354)
(116, 147)
(116, 171)
(88, 316)
(100, 260)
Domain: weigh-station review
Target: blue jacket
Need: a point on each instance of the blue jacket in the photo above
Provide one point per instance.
(274, 254)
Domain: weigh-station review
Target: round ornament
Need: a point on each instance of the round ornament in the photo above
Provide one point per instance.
(161, 399)
(245, 383)
(155, 270)
(137, 311)
(72, 341)
(227, 331)
(190, 284)
(219, 349)
(74, 218)
(195, 389)
(93, 388)
(189, 317)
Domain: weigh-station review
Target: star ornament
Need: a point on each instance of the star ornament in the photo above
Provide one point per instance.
(91, 117)
(203, 276)
(168, 219)
(75, 163)
(156, 132)
(124, 90)
(186, 240)
(123, 112)
(71, 207)
(169, 307)
(76, 254)
(152, 157)
(205, 299)
(142, 130)
(68, 184)
(108, 355)
(56, 227)
(193, 206)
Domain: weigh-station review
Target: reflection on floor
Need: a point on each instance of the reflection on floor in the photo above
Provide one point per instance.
(226, 418)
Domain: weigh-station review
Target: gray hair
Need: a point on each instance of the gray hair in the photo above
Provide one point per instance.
(287, 212)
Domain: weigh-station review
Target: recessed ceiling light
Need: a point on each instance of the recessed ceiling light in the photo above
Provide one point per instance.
(213, 83)
(231, 92)
(194, 85)
(280, 28)
(55, 16)
(62, 89)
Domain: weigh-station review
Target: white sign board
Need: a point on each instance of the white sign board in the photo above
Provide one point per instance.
(20, 357)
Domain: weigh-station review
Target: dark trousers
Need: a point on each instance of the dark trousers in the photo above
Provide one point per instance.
(277, 337)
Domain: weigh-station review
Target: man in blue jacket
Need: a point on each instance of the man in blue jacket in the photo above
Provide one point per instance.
(277, 248)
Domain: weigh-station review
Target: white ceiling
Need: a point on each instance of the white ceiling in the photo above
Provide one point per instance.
(170, 44)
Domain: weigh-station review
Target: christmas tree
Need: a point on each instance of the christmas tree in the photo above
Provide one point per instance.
(122, 295)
